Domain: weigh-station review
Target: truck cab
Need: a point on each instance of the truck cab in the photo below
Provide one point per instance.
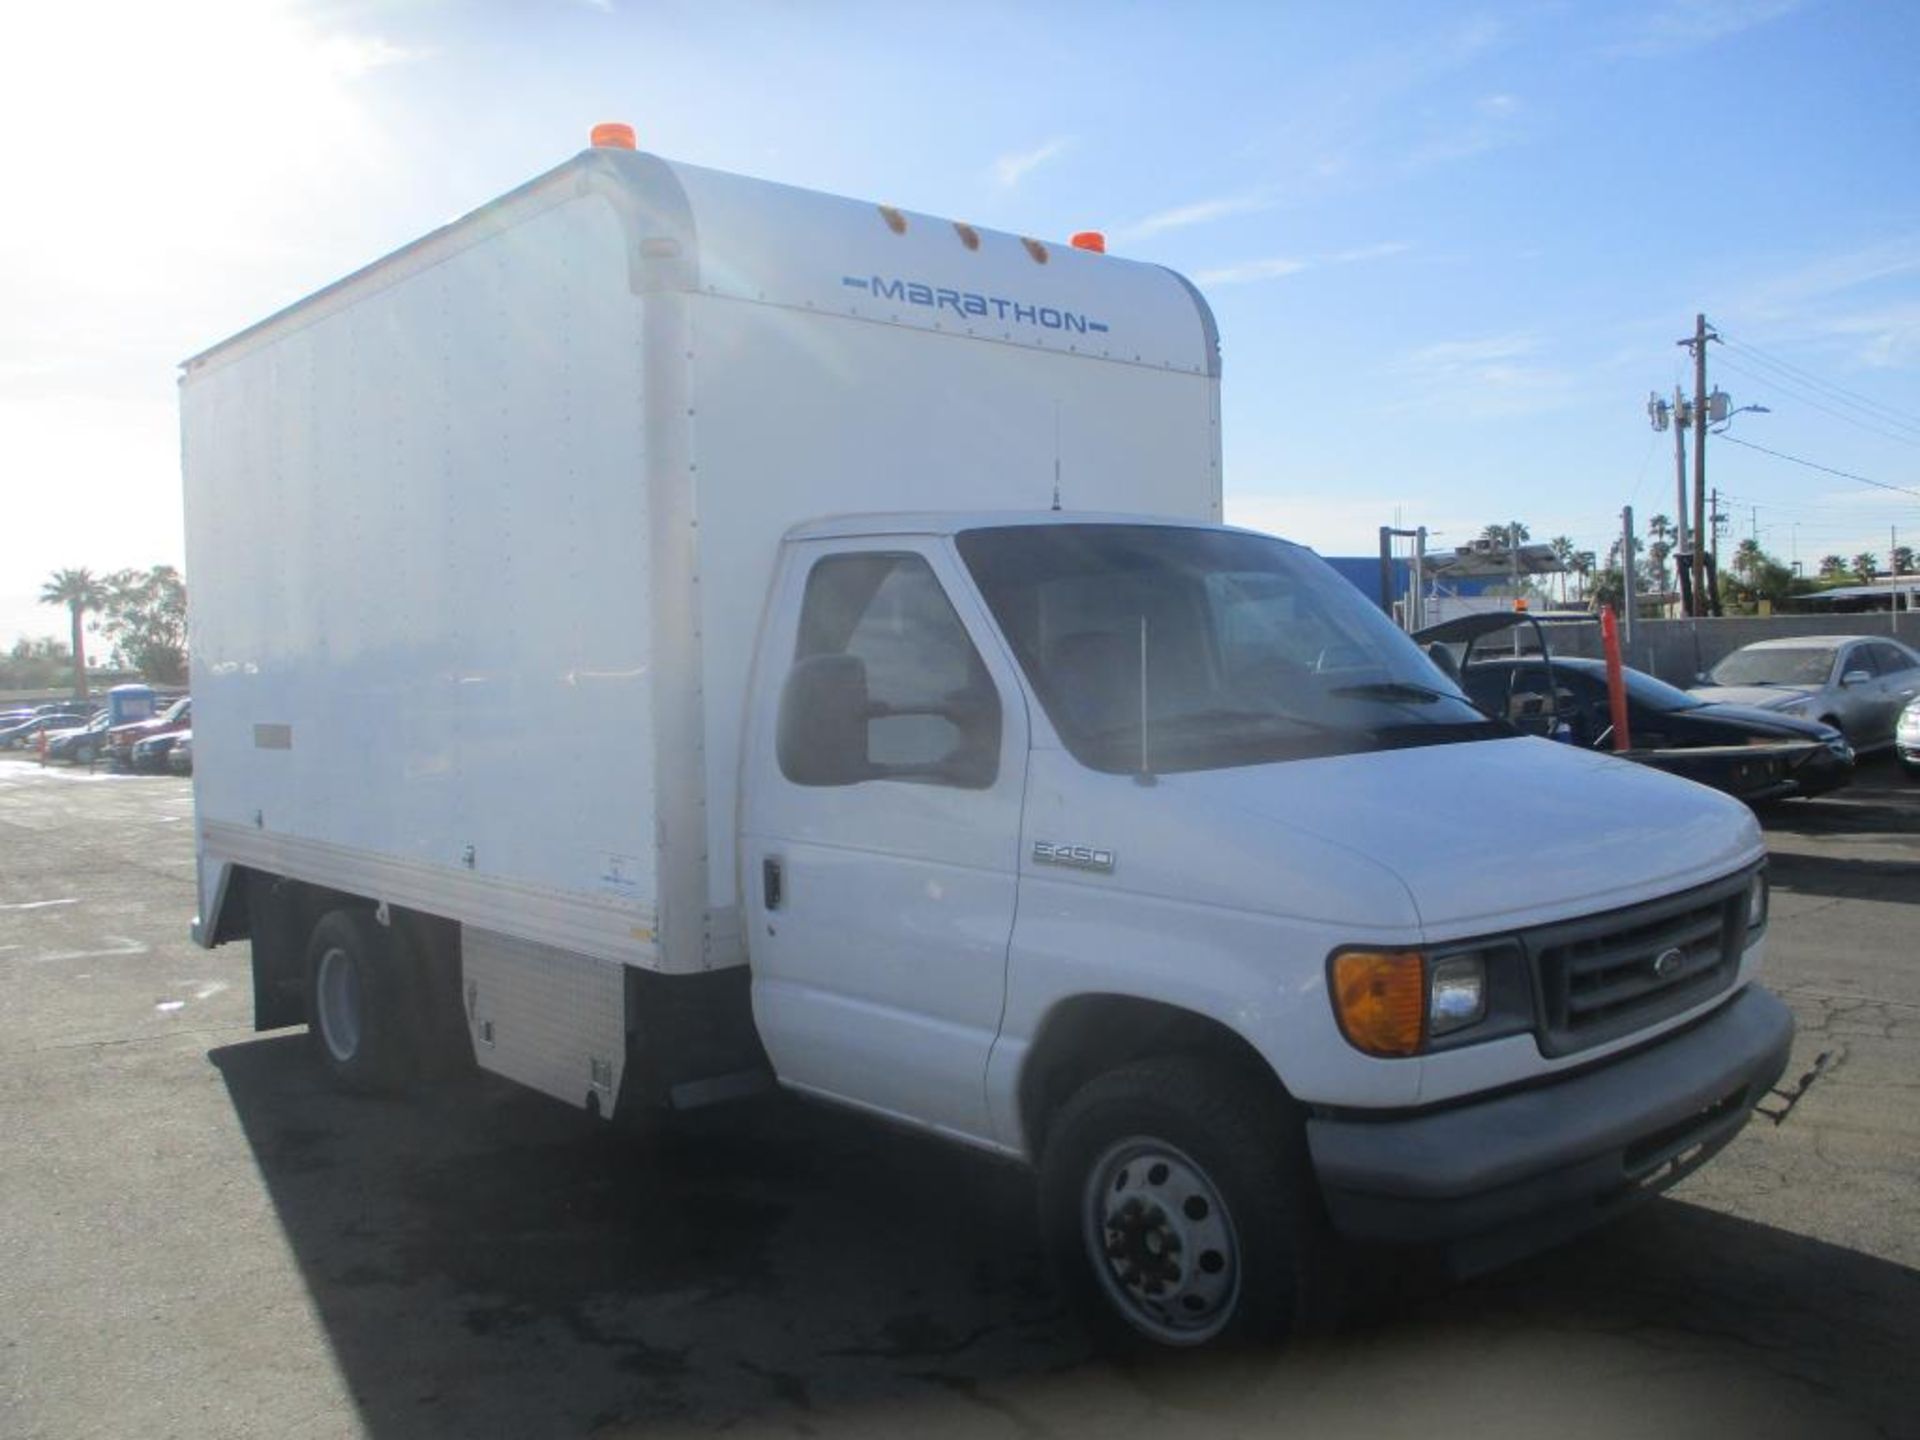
(1031, 802)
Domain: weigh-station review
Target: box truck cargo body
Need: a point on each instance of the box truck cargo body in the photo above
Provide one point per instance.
(488, 527)
(667, 633)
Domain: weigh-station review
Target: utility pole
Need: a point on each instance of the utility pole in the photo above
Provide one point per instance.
(1697, 343)
(1715, 519)
(1678, 416)
(1628, 589)
(1682, 416)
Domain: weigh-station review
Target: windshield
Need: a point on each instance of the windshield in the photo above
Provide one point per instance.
(1643, 689)
(1788, 665)
(1255, 650)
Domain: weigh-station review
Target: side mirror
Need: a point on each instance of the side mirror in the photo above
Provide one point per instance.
(1856, 677)
(822, 732)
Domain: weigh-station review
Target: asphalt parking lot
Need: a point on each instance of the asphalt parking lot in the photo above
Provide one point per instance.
(198, 1240)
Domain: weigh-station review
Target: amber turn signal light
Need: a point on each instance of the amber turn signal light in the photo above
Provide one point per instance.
(1380, 999)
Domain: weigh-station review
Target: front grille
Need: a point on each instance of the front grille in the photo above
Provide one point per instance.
(1608, 975)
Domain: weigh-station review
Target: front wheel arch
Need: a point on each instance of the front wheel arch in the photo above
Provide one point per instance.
(1087, 1035)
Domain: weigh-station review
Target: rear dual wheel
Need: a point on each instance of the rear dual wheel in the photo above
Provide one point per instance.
(356, 1021)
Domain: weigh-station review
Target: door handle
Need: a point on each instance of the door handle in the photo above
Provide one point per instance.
(771, 887)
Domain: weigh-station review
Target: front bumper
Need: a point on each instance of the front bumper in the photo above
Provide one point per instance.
(1496, 1179)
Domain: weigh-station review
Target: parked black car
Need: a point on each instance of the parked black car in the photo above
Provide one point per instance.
(1662, 718)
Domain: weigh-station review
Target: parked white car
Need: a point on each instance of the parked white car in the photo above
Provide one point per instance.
(1855, 683)
(1906, 739)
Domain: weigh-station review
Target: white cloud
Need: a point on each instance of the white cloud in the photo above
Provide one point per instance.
(1279, 266)
(1009, 170)
(1485, 378)
(1369, 252)
(231, 152)
(1251, 270)
(1682, 25)
(1885, 338)
(1857, 301)
(1492, 125)
(1200, 213)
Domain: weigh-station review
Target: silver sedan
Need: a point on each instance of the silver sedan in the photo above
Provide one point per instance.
(1857, 683)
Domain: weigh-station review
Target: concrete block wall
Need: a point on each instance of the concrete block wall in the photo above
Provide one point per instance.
(1678, 650)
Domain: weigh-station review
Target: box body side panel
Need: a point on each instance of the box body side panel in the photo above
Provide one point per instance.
(417, 531)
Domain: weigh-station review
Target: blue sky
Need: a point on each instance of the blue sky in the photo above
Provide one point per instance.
(1449, 247)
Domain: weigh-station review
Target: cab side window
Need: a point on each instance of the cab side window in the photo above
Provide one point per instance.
(886, 683)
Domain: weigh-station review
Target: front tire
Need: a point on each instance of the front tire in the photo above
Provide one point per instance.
(355, 1021)
(1178, 1205)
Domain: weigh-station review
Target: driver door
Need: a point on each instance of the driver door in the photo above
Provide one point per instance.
(880, 879)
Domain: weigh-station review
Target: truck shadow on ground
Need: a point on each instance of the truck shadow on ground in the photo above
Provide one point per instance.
(487, 1262)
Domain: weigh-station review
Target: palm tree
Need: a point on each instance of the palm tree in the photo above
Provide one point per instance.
(79, 592)
(1864, 566)
(1562, 547)
(1508, 536)
(1660, 528)
(1833, 567)
(1746, 558)
(1657, 554)
(1583, 567)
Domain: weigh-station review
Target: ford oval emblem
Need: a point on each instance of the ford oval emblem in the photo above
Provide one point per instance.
(1667, 963)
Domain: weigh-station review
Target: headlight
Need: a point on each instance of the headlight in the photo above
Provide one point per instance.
(1457, 994)
(1757, 901)
(1390, 1003)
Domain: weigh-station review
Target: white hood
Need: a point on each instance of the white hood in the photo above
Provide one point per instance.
(1490, 834)
(1762, 697)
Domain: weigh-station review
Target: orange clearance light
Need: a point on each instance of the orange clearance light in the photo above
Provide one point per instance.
(613, 135)
(1520, 604)
(1089, 240)
(1380, 999)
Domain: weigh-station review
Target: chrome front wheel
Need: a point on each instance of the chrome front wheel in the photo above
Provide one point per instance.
(1162, 1241)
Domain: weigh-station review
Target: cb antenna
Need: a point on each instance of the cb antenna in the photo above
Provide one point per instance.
(1056, 455)
(1144, 776)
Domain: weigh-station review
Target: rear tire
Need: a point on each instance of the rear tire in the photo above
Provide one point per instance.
(1177, 1201)
(356, 1017)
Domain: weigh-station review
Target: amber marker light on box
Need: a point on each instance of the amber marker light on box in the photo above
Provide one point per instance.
(1380, 999)
(613, 135)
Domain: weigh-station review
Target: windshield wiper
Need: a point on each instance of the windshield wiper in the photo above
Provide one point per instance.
(1388, 690)
(1184, 724)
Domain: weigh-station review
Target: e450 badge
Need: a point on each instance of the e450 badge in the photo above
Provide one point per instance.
(1074, 857)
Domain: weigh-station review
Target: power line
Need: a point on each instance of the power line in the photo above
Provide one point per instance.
(1825, 469)
(1803, 397)
(1890, 412)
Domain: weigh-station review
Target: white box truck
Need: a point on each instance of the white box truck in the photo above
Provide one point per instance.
(667, 633)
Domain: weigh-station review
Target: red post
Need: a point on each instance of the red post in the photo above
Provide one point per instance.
(1616, 682)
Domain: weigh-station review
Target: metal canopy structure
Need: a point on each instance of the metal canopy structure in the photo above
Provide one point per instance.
(1484, 559)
